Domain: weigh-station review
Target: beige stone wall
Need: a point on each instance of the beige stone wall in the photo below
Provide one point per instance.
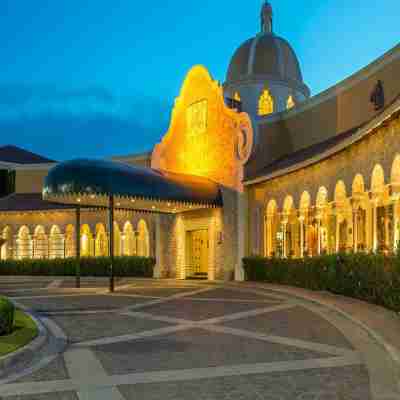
(339, 109)
(381, 147)
(221, 225)
(30, 180)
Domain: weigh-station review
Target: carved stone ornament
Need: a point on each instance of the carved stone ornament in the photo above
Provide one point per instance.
(378, 96)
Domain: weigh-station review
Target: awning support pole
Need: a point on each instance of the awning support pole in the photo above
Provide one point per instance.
(78, 246)
(111, 241)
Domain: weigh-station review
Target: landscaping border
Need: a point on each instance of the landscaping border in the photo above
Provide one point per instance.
(27, 352)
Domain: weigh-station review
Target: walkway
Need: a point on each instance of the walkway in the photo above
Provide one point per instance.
(187, 340)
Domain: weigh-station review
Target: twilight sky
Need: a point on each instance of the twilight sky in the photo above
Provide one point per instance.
(98, 78)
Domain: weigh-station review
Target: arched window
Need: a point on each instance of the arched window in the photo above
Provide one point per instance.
(87, 248)
(40, 243)
(101, 245)
(265, 104)
(24, 243)
(70, 250)
(290, 102)
(56, 243)
(129, 241)
(237, 97)
(143, 247)
(6, 244)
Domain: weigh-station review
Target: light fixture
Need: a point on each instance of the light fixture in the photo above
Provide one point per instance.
(78, 200)
(153, 207)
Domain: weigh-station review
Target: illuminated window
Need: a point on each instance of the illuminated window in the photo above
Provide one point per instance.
(265, 104)
(290, 102)
(237, 97)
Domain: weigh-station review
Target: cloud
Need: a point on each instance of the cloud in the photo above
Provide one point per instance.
(94, 122)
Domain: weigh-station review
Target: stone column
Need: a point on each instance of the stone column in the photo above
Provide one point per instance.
(284, 226)
(158, 269)
(301, 220)
(319, 233)
(374, 205)
(355, 207)
(395, 198)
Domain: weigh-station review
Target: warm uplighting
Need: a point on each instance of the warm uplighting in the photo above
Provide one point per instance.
(78, 200)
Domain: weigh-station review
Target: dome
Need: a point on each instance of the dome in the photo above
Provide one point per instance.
(266, 56)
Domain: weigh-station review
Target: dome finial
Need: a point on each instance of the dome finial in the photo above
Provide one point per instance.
(266, 17)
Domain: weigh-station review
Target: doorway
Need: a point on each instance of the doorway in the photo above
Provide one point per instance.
(197, 245)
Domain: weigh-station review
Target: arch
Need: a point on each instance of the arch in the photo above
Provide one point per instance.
(290, 102)
(87, 246)
(288, 204)
(272, 207)
(24, 243)
(70, 242)
(143, 247)
(377, 179)
(358, 184)
(5, 248)
(271, 226)
(56, 243)
(129, 240)
(322, 197)
(40, 243)
(395, 173)
(305, 201)
(101, 242)
(340, 192)
(117, 240)
(265, 104)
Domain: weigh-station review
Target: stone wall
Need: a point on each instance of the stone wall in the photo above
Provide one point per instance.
(380, 147)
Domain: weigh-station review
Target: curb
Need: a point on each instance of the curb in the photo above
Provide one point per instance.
(27, 352)
(393, 352)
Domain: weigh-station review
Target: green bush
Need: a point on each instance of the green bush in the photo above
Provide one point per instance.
(7, 312)
(371, 277)
(95, 267)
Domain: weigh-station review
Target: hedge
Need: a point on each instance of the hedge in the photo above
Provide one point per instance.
(94, 267)
(370, 277)
(7, 312)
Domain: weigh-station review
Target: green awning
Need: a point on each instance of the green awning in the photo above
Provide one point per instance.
(92, 182)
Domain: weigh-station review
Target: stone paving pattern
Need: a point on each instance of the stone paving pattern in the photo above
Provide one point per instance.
(184, 341)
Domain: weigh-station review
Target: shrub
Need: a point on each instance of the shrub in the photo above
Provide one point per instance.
(95, 267)
(371, 277)
(7, 311)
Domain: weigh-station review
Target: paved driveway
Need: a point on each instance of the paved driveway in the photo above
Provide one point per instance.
(175, 340)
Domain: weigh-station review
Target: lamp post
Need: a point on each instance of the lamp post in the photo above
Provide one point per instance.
(111, 240)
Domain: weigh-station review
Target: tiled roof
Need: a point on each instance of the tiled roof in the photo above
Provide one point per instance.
(13, 154)
(29, 202)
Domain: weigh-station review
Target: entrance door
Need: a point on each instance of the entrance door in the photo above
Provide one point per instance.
(198, 251)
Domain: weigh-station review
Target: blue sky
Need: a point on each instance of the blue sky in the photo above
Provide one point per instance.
(98, 77)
